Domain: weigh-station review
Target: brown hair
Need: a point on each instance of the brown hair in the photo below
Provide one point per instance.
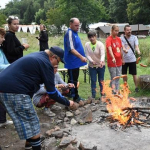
(126, 26)
(91, 34)
(2, 32)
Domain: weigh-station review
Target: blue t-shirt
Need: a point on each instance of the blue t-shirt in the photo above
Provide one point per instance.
(25, 75)
(72, 41)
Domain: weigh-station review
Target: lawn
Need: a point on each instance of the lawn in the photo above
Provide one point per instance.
(84, 89)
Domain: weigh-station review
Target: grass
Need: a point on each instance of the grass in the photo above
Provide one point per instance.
(84, 89)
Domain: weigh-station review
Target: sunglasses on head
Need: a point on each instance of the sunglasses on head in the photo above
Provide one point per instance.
(12, 17)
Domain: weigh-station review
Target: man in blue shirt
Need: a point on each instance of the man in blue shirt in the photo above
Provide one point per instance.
(74, 55)
(20, 81)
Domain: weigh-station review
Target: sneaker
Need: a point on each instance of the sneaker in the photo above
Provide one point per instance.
(136, 90)
(55, 107)
(29, 146)
(48, 112)
(79, 99)
(8, 122)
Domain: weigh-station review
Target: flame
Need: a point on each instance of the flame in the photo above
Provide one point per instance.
(116, 103)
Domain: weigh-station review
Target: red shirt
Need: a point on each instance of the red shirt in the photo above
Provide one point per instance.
(116, 49)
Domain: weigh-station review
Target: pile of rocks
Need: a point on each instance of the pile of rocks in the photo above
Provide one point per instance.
(60, 136)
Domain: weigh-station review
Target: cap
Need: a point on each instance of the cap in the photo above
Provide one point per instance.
(59, 52)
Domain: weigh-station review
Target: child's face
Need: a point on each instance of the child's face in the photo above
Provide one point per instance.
(92, 39)
(2, 38)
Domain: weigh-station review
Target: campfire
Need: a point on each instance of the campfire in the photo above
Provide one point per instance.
(121, 108)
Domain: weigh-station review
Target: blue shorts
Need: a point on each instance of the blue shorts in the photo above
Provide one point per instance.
(21, 111)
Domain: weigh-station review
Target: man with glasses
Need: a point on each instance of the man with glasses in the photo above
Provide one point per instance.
(20, 81)
(74, 56)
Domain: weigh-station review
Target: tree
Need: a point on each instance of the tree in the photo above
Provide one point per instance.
(117, 10)
(138, 11)
(88, 11)
(39, 16)
(2, 19)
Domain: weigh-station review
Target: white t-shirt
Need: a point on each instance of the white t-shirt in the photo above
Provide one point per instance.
(129, 57)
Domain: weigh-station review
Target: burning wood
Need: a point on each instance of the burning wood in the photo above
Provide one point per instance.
(120, 108)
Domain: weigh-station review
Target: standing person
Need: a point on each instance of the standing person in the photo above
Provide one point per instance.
(74, 55)
(3, 64)
(43, 38)
(12, 47)
(41, 98)
(114, 57)
(95, 53)
(20, 81)
(129, 54)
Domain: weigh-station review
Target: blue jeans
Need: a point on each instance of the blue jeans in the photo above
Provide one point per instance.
(93, 75)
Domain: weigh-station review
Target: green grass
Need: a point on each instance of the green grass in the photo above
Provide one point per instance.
(84, 89)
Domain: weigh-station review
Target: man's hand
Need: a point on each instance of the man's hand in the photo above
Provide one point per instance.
(125, 50)
(71, 85)
(73, 105)
(83, 59)
(139, 53)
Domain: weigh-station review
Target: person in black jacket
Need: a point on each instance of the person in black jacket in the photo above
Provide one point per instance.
(12, 47)
(43, 38)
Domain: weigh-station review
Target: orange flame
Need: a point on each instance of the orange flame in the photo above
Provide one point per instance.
(116, 103)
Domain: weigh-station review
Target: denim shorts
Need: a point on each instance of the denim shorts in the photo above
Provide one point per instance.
(23, 114)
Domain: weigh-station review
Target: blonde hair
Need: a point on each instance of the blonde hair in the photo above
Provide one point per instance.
(113, 28)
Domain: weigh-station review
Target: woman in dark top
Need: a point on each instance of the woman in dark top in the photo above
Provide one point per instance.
(12, 47)
(43, 38)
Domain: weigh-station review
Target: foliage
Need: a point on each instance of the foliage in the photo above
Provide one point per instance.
(138, 11)
(59, 12)
(117, 10)
(2, 19)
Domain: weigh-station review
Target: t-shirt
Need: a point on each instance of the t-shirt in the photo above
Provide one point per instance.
(116, 46)
(95, 53)
(129, 57)
(25, 75)
(72, 41)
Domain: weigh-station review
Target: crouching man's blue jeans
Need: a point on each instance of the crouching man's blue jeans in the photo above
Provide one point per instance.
(94, 72)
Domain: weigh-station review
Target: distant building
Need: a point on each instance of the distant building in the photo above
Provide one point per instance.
(138, 29)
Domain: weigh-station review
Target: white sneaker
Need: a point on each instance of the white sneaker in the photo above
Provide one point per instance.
(48, 112)
(6, 123)
(55, 107)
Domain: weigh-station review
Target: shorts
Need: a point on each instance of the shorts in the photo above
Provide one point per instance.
(132, 68)
(21, 111)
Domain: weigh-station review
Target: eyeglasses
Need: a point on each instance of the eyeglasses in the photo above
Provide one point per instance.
(57, 59)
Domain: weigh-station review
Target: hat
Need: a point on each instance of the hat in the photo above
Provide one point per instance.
(59, 52)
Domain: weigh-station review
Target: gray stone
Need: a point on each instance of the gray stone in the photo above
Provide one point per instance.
(86, 117)
(57, 134)
(87, 147)
(94, 108)
(69, 114)
(66, 119)
(73, 121)
(77, 112)
(49, 143)
(49, 132)
(45, 125)
(59, 121)
(71, 147)
(65, 141)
